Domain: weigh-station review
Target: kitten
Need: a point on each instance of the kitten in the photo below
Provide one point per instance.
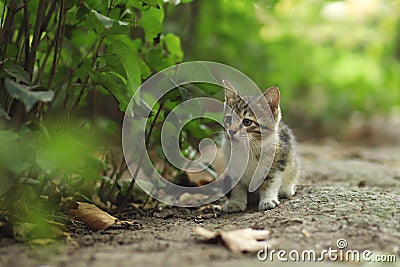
(268, 141)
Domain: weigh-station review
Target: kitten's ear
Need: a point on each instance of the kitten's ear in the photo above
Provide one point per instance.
(230, 92)
(273, 97)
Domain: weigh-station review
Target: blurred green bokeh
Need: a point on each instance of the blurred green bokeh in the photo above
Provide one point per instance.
(37, 170)
(61, 108)
(329, 58)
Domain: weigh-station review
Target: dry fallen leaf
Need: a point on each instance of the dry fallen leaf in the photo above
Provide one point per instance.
(92, 216)
(205, 233)
(242, 240)
(245, 240)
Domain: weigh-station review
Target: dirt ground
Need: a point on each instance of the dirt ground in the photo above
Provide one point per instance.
(344, 192)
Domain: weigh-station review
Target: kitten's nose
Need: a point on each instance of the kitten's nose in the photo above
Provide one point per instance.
(232, 132)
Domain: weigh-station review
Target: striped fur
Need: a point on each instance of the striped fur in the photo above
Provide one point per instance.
(265, 139)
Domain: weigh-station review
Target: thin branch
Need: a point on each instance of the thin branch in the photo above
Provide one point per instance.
(71, 72)
(2, 16)
(27, 45)
(86, 81)
(21, 37)
(118, 173)
(95, 56)
(50, 42)
(59, 88)
(147, 140)
(48, 52)
(6, 31)
(57, 47)
(93, 106)
(43, 28)
(47, 18)
(30, 61)
(22, 31)
(110, 7)
(163, 173)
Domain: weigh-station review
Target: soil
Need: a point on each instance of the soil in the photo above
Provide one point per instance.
(344, 192)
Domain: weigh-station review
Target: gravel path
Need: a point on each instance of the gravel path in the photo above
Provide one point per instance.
(345, 192)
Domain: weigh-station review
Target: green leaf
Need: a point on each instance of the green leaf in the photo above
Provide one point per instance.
(132, 69)
(18, 73)
(70, 4)
(128, 14)
(100, 6)
(112, 63)
(119, 2)
(209, 88)
(141, 109)
(173, 44)
(157, 13)
(185, 93)
(153, 3)
(4, 114)
(127, 54)
(144, 69)
(107, 26)
(135, 4)
(28, 98)
(158, 61)
(195, 73)
(174, 95)
(82, 12)
(154, 58)
(97, 164)
(197, 130)
(114, 85)
(177, 2)
(151, 22)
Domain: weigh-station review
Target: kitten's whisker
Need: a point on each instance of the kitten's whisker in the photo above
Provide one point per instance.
(257, 140)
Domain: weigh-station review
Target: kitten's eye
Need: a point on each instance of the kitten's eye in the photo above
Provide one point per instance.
(247, 122)
(228, 119)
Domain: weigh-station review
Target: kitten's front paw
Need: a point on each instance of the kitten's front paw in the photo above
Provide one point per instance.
(267, 204)
(287, 193)
(234, 206)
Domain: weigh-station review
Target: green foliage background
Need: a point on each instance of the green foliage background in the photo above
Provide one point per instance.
(58, 61)
(69, 68)
(329, 58)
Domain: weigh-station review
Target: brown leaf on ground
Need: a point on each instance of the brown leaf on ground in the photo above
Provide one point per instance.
(205, 233)
(242, 240)
(248, 239)
(92, 216)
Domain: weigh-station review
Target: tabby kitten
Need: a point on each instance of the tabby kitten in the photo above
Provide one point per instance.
(267, 142)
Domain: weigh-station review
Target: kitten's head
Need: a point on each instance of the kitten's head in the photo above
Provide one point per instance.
(252, 118)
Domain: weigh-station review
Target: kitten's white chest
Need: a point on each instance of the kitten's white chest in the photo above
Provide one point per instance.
(241, 165)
